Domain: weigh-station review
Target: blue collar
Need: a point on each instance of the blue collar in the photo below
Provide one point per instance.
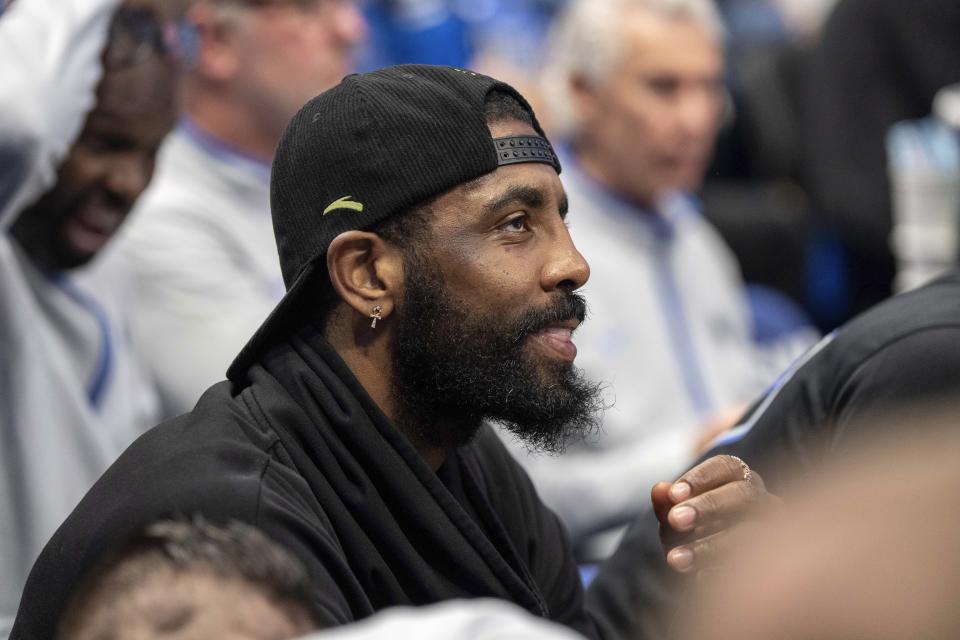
(223, 151)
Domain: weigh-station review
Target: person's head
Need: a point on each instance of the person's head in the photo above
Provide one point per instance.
(112, 160)
(444, 213)
(862, 548)
(268, 57)
(192, 580)
(636, 86)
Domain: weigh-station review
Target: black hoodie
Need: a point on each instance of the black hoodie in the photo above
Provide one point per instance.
(299, 449)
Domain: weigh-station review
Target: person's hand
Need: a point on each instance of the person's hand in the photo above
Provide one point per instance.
(699, 510)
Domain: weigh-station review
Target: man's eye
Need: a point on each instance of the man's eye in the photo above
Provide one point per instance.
(663, 86)
(105, 142)
(516, 224)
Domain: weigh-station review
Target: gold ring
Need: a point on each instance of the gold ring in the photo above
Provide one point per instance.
(747, 474)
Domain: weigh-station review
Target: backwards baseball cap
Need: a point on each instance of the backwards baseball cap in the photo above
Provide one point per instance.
(371, 147)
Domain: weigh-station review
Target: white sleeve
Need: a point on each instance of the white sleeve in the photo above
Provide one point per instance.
(50, 64)
(481, 619)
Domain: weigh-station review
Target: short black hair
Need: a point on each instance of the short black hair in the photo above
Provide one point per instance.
(501, 106)
(409, 229)
(233, 551)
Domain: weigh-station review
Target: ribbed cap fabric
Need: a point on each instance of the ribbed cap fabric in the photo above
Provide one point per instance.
(372, 146)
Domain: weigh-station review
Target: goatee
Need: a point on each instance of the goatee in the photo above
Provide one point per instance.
(454, 368)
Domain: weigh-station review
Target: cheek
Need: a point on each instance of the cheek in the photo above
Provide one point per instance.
(500, 279)
(634, 123)
(306, 47)
(78, 175)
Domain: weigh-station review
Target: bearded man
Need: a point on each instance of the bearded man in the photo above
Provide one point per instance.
(430, 285)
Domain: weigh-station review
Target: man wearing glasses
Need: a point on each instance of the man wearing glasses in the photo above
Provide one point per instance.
(93, 94)
(200, 244)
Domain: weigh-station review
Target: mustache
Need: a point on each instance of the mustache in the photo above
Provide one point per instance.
(563, 307)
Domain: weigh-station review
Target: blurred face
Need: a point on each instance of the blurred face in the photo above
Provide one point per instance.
(107, 168)
(190, 605)
(289, 51)
(652, 124)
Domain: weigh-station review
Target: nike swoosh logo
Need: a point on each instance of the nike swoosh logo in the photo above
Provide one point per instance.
(343, 203)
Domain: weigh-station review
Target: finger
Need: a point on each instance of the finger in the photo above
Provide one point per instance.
(709, 552)
(670, 538)
(700, 554)
(712, 473)
(660, 497)
(728, 502)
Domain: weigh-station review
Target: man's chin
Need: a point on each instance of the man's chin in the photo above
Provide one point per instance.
(69, 257)
(550, 368)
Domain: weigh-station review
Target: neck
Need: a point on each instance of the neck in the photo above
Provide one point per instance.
(591, 163)
(226, 118)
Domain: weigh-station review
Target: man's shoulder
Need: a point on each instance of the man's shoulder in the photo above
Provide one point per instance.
(919, 321)
(220, 439)
(900, 351)
(212, 460)
(916, 316)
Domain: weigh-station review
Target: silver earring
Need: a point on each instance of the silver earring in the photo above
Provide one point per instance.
(375, 314)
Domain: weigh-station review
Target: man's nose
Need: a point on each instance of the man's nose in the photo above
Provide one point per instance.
(567, 269)
(128, 176)
(699, 111)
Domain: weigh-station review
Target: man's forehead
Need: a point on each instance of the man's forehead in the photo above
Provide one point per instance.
(650, 38)
(534, 185)
(161, 9)
(145, 90)
(483, 192)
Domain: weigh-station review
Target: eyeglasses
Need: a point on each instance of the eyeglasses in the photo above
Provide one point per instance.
(136, 34)
(303, 5)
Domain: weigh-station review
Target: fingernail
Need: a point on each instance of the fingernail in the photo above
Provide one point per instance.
(680, 558)
(679, 491)
(683, 517)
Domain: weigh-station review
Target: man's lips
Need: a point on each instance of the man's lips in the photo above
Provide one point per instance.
(558, 339)
(92, 226)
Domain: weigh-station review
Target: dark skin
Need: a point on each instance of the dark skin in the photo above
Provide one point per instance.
(698, 511)
(505, 228)
(106, 169)
(502, 243)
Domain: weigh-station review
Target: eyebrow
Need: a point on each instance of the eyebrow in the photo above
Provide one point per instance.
(528, 196)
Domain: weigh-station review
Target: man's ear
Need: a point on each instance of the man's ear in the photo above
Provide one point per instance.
(586, 103)
(366, 271)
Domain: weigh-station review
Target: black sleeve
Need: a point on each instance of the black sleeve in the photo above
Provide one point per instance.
(828, 406)
(909, 374)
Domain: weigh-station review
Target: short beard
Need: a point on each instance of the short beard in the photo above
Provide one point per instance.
(453, 369)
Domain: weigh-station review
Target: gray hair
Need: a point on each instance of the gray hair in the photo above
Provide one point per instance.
(585, 43)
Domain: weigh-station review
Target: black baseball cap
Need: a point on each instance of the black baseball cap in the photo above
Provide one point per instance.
(371, 147)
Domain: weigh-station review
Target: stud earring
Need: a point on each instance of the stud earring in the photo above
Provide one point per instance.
(375, 314)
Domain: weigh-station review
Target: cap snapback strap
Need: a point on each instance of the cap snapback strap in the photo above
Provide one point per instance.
(516, 149)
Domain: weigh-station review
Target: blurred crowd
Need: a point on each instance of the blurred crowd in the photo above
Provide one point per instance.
(767, 193)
